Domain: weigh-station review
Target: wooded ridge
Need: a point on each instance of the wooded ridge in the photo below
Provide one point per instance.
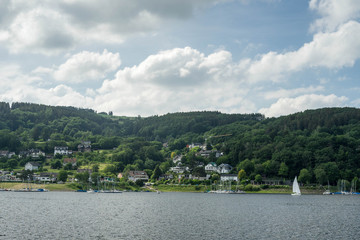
(323, 145)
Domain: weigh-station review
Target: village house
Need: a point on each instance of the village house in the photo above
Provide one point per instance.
(84, 146)
(47, 177)
(166, 177)
(228, 177)
(70, 160)
(177, 159)
(6, 154)
(6, 176)
(208, 153)
(224, 168)
(199, 178)
(138, 175)
(33, 153)
(178, 169)
(211, 167)
(32, 166)
(62, 151)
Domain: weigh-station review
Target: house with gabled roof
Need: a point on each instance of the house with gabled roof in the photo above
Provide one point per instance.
(62, 151)
(32, 166)
(70, 160)
(138, 175)
(84, 146)
(211, 167)
(6, 154)
(224, 168)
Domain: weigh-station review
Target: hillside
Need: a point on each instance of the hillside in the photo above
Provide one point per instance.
(321, 145)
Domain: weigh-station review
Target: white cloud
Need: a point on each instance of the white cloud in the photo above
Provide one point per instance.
(87, 66)
(52, 27)
(285, 106)
(180, 79)
(334, 13)
(39, 30)
(330, 50)
(282, 93)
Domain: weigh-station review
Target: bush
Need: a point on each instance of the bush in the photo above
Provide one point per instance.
(248, 187)
(264, 186)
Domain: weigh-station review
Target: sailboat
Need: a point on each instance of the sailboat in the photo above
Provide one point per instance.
(296, 188)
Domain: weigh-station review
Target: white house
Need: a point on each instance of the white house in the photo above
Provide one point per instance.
(177, 159)
(32, 166)
(6, 154)
(194, 145)
(178, 169)
(62, 151)
(224, 168)
(34, 153)
(211, 167)
(47, 177)
(228, 177)
(138, 175)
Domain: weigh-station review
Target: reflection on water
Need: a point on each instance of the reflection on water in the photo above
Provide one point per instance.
(59, 215)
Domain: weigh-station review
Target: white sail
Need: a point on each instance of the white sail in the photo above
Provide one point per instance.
(296, 188)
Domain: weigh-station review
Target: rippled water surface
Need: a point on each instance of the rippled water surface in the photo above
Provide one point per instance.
(70, 215)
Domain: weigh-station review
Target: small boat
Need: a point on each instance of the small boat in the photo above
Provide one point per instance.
(296, 188)
(91, 191)
(327, 192)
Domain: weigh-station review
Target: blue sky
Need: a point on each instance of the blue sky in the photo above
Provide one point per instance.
(148, 57)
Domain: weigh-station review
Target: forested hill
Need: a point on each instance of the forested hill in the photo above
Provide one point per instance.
(175, 125)
(324, 142)
(24, 123)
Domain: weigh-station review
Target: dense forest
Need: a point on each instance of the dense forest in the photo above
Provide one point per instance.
(319, 145)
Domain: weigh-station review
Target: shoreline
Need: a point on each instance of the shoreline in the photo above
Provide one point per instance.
(69, 187)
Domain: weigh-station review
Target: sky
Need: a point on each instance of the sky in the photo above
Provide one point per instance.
(152, 57)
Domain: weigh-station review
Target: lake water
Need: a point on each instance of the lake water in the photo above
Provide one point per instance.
(70, 215)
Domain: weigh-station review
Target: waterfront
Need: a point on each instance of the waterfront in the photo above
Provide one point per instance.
(69, 215)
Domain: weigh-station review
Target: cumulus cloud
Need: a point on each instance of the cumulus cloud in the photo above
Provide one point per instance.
(51, 27)
(182, 78)
(334, 13)
(330, 50)
(38, 30)
(285, 106)
(87, 66)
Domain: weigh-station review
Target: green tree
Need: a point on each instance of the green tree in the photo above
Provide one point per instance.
(95, 168)
(247, 165)
(241, 175)
(283, 170)
(68, 166)
(56, 165)
(111, 168)
(164, 166)
(156, 174)
(83, 177)
(63, 175)
(305, 176)
(258, 178)
(199, 171)
(320, 175)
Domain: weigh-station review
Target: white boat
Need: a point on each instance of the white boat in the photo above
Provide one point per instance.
(91, 191)
(327, 192)
(296, 188)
